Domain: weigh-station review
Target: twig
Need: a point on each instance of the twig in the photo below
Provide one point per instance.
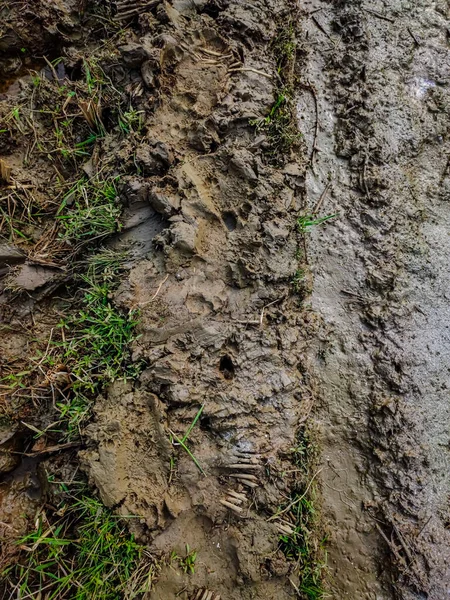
(393, 547)
(48, 450)
(321, 199)
(445, 171)
(313, 12)
(214, 53)
(416, 41)
(379, 15)
(157, 291)
(296, 588)
(231, 506)
(314, 148)
(46, 350)
(267, 306)
(133, 10)
(423, 527)
(349, 293)
(53, 70)
(324, 31)
(364, 180)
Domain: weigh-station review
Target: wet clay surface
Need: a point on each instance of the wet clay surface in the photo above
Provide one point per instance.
(381, 275)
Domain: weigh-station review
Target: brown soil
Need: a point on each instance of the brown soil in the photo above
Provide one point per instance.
(209, 225)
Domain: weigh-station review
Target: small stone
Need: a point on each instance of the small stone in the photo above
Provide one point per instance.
(10, 255)
(32, 277)
(241, 162)
(163, 204)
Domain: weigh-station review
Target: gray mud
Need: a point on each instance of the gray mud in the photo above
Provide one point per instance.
(381, 72)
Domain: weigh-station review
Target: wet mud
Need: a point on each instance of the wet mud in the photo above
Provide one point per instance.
(209, 227)
(227, 337)
(380, 271)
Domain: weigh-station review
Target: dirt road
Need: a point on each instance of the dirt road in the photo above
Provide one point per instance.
(231, 335)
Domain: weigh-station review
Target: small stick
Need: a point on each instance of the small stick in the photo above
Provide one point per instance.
(242, 497)
(233, 500)
(135, 10)
(249, 484)
(379, 15)
(284, 529)
(55, 75)
(321, 199)
(267, 306)
(231, 506)
(244, 467)
(403, 543)
(349, 293)
(157, 291)
(324, 31)
(364, 180)
(445, 171)
(416, 41)
(250, 458)
(244, 476)
(212, 52)
(48, 450)
(292, 504)
(423, 527)
(313, 12)
(314, 149)
(392, 546)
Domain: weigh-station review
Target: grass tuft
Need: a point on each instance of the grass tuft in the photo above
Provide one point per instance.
(87, 554)
(301, 546)
(96, 342)
(186, 563)
(301, 543)
(280, 124)
(305, 222)
(90, 210)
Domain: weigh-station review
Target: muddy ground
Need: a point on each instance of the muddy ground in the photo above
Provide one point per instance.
(312, 358)
(381, 275)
